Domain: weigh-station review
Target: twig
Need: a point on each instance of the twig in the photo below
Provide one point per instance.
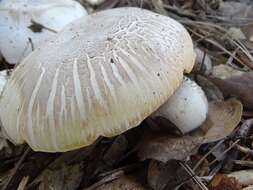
(23, 183)
(245, 150)
(246, 163)
(217, 45)
(127, 168)
(193, 175)
(245, 129)
(228, 149)
(39, 25)
(22, 158)
(207, 154)
(106, 179)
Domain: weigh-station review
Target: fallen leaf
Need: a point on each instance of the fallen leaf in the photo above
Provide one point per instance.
(165, 147)
(244, 177)
(167, 176)
(238, 86)
(123, 183)
(67, 177)
(222, 182)
(223, 117)
(114, 154)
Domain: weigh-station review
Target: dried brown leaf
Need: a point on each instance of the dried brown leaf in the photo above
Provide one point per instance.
(166, 176)
(116, 151)
(66, 177)
(238, 86)
(123, 183)
(164, 147)
(222, 119)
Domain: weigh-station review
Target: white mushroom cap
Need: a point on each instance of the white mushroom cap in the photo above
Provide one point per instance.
(187, 108)
(100, 76)
(95, 2)
(17, 17)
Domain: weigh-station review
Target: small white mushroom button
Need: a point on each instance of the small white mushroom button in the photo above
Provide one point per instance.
(26, 24)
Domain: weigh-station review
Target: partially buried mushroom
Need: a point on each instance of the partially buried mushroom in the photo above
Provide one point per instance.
(26, 24)
(100, 76)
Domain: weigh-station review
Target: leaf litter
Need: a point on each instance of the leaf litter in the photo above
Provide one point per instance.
(217, 156)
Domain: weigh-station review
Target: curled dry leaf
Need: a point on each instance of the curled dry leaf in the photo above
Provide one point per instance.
(65, 177)
(164, 148)
(116, 151)
(244, 177)
(123, 183)
(168, 175)
(238, 86)
(223, 117)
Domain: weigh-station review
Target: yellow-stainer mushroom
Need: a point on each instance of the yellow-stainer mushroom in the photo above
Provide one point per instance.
(26, 24)
(100, 76)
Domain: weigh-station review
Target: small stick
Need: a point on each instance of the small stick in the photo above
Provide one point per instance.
(23, 183)
(106, 179)
(193, 175)
(246, 163)
(22, 158)
(245, 150)
(207, 154)
(228, 149)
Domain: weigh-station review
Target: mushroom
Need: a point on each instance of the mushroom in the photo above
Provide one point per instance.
(25, 25)
(187, 108)
(100, 76)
